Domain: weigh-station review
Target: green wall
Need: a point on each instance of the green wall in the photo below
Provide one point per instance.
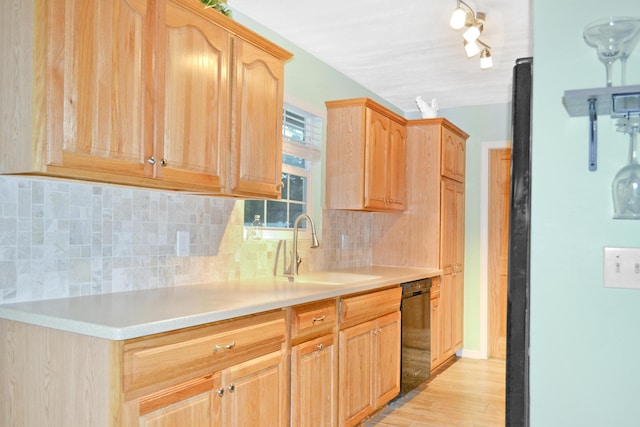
(584, 341)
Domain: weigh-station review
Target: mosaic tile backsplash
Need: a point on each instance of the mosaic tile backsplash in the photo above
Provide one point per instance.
(61, 239)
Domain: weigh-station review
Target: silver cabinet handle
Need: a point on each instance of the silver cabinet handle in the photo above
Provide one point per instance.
(163, 162)
(220, 392)
(320, 346)
(232, 388)
(217, 347)
(318, 319)
(151, 160)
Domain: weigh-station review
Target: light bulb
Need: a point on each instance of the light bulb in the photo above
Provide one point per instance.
(472, 33)
(458, 18)
(471, 48)
(485, 59)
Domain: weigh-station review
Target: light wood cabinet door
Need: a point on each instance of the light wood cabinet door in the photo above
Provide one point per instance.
(451, 226)
(193, 120)
(369, 367)
(355, 393)
(386, 163)
(313, 383)
(458, 311)
(397, 171)
(453, 155)
(447, 301)
(256, 145)
(436, 329)
(386, 361)
(448, 221)
(99, 88)
(376, 160)
(256, 392)
(195, 404)
(451, 304)
(366, 157)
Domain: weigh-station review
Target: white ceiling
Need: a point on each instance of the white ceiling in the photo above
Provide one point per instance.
(403, 49)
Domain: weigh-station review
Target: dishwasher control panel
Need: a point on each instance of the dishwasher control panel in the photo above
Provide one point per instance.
(417, 286)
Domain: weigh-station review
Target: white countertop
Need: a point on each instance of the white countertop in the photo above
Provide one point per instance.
(125, 315)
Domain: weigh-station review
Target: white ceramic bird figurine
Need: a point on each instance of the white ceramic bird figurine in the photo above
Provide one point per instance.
(427, 112)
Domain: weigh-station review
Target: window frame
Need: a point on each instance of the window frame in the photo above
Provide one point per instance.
(312, 154)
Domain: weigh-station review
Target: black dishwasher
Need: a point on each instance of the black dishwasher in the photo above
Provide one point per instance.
(416, 334)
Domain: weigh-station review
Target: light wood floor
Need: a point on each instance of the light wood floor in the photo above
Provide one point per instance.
(469, 392)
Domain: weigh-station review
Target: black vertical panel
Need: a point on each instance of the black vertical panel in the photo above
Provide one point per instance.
(517, 374)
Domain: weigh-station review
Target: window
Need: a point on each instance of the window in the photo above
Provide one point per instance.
(302, 136)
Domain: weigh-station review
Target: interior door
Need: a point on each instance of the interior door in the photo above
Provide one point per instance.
(499, 189)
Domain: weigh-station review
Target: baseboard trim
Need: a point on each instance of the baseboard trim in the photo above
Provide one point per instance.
(473, 354)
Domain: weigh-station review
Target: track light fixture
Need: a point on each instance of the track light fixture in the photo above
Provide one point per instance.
(485, 59)
(473, 23)
(471, 48)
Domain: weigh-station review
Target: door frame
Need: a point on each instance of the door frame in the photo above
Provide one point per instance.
(483, 352)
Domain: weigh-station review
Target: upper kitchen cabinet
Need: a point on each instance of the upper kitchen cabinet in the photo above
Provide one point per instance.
(135, 92)
(78, 88)
(453, 154)
(365, 156)
(194, 96)
(256, 149)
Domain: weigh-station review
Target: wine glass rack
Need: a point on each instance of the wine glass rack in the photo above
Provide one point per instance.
(618, 102)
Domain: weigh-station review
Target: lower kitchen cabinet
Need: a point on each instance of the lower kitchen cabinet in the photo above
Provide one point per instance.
(369, 357)
(314, 364)
(228, 373)
(252, 393)
(256, 392)
(326, 363)
(441, 322)
(194, 403)
(313, 383)
(369, 367)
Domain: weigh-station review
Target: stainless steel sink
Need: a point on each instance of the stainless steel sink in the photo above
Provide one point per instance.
(332, 278)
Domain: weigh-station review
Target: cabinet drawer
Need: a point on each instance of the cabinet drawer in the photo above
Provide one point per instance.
(311, 319)
(360, 308)
(161, 360)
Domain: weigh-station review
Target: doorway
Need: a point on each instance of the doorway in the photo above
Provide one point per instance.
(498, 250)
(486, 211)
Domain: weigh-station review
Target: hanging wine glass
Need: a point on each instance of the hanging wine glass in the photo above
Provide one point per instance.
(626, 184)
(627, 48)
(608, 37)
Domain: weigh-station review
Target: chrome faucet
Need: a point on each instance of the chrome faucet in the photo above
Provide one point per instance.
(295, 259)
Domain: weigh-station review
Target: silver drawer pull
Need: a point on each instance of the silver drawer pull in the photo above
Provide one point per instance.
(224, 347)
(318, 319)
(232, 388)
(320, 346)
(220, 392)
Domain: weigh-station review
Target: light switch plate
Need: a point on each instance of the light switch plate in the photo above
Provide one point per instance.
(622, 268)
